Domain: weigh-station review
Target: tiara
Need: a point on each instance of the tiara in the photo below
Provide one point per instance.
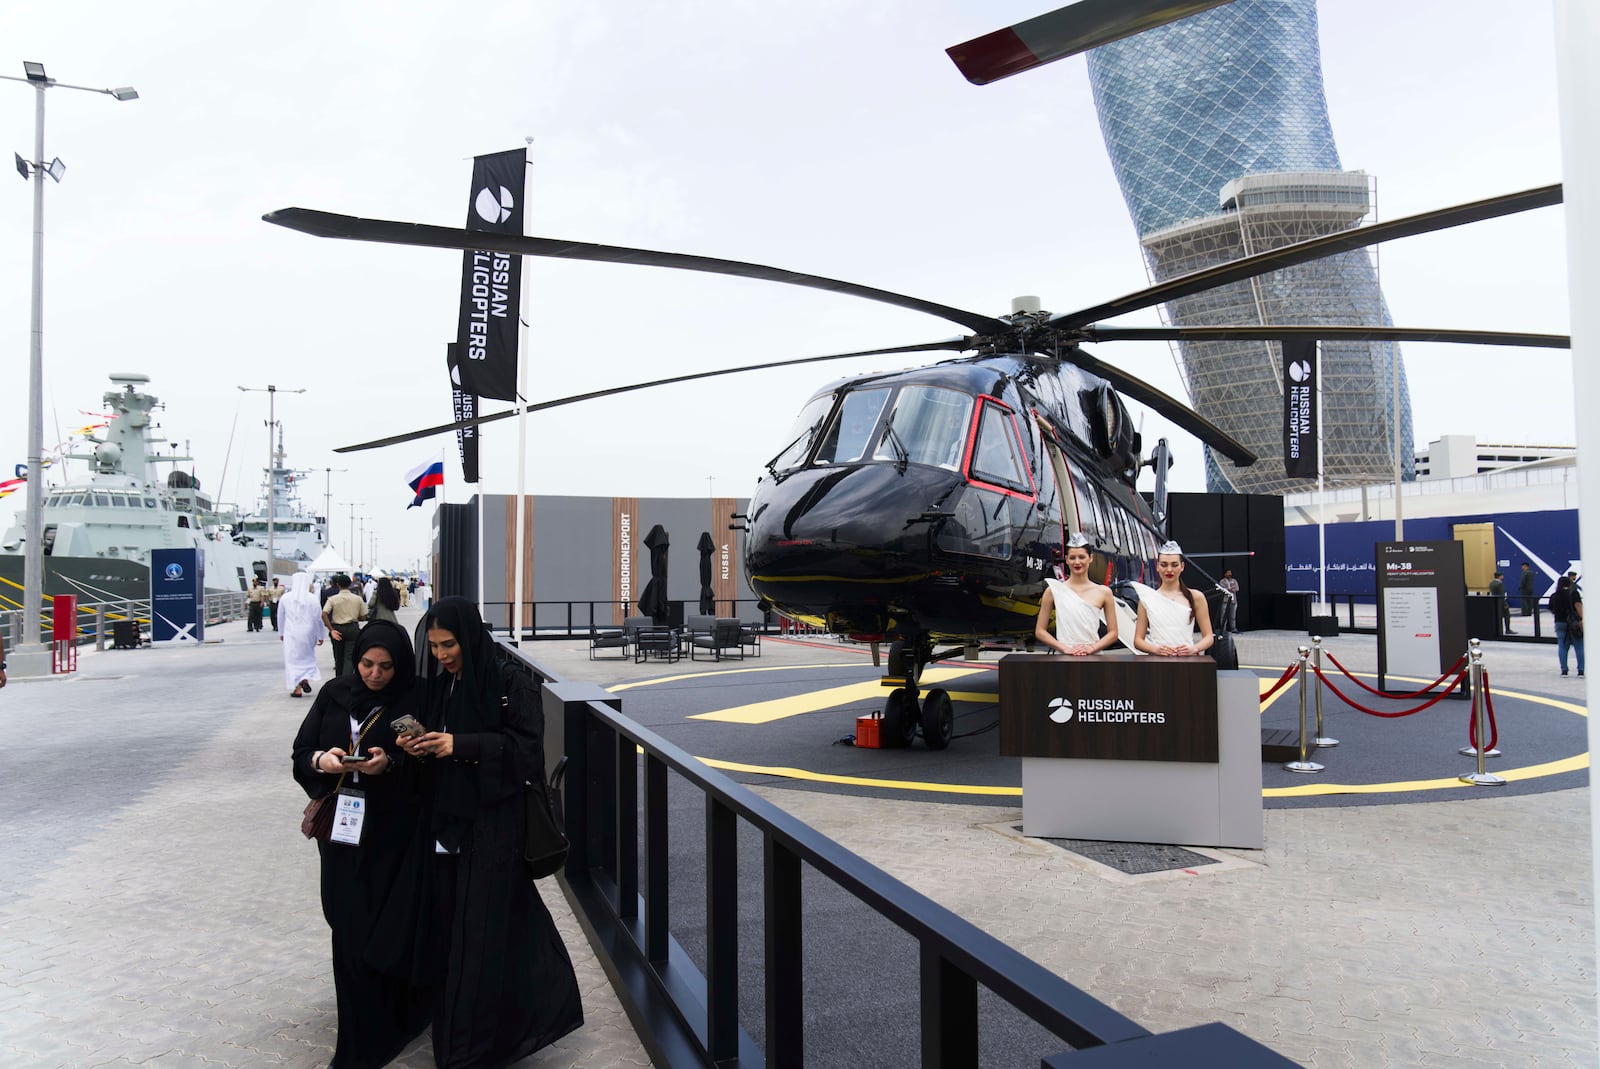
(1078, 541)
(1170, 546)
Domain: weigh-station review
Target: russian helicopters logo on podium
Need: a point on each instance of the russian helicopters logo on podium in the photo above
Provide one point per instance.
(1101, 711)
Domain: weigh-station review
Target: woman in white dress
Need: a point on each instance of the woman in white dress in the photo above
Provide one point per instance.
(1079, 606)
(1169, 614)
(300, 630)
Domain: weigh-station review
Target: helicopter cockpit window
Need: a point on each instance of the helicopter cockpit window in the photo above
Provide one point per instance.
(995, 457)
(851, 431)
(803, 434)
(928, 426)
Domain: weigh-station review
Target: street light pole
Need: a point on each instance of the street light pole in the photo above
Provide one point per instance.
(33, 555)
(327, 503)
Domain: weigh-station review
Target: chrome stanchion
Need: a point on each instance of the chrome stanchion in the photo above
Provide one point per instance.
(1480, 719)
(1479, 710)
(1303, 765)
(1316, 661)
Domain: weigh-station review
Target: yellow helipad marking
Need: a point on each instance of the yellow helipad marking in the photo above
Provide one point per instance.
(863, 781)
(730, 672)
(817, 701)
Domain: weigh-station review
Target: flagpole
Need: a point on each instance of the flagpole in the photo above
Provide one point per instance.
(522, 416)
(1322, 501)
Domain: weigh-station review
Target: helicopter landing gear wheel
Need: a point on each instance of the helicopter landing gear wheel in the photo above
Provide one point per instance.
(899, 727)
(938, 720)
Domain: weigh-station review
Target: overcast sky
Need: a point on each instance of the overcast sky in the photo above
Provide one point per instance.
(828, 137)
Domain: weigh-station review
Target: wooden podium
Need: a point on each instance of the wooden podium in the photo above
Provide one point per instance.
(1130, 748)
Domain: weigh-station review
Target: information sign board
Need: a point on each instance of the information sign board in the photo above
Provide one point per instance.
(177, 595)
(1422, 609)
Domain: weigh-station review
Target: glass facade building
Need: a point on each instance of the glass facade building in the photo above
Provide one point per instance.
(1217, 128)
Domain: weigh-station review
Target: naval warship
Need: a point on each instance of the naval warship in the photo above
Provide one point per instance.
(99, 529)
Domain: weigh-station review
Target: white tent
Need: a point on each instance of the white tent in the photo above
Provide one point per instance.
(328, 562)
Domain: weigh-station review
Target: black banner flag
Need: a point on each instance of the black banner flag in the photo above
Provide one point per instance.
(1300, 408)
(491, 282)
(465, 406)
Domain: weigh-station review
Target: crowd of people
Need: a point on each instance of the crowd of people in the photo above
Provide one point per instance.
(434, 920)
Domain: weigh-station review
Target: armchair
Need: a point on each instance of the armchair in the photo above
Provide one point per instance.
(615, 638)
(725, 639)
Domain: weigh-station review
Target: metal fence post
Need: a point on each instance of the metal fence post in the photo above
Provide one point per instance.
(1321, 740)
(1480, 722)
(1303, 765)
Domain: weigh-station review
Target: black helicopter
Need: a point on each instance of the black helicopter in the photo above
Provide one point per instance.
(926, 507)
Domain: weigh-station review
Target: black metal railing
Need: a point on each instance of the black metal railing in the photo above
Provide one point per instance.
(1358, 614)
(618, 874)
(576, 619)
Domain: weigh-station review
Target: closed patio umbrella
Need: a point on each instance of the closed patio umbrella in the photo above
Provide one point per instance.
(653, 602)
(708, 597)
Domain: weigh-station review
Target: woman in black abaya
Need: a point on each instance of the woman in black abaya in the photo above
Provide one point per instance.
(504, 985)
(378, 1015)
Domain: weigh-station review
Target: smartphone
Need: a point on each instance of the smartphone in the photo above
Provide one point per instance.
(353, 758)
(407, 725)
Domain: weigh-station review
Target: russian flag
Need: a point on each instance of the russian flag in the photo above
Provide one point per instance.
(425, 480)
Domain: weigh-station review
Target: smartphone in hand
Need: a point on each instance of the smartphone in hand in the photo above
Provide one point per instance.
(407, 725)
(353, 758)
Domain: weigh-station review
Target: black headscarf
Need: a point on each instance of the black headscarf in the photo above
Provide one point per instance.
(391, 637)
(471, 703)
(468, 705)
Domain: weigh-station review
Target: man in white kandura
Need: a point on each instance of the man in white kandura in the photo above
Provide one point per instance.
(1168, 615)
(1079, 606)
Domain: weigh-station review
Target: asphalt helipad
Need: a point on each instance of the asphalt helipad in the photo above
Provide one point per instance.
(789, 717)
(1450, 925)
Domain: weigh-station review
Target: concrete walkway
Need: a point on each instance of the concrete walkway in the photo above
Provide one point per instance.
(158, 905)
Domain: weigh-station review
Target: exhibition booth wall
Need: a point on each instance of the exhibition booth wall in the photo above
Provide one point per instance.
(589, 555)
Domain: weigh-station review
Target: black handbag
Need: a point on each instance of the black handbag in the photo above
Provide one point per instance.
(546, 846)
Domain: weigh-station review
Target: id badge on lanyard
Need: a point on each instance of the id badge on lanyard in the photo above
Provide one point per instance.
(348, 817)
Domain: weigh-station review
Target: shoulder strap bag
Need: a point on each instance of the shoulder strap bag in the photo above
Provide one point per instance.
(317, 821)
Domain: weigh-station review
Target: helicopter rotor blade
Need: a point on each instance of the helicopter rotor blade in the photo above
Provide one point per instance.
(1165, 405)
(1314, 249)
(331, 225)
(1094, 332)
(1065, 32)
(948, 344)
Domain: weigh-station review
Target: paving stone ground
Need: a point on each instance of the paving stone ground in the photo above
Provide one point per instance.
(158, 906)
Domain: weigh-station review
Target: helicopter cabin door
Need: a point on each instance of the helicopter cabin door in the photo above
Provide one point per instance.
(1067, 494)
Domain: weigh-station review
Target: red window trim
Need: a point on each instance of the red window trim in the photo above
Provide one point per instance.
(1022, 450)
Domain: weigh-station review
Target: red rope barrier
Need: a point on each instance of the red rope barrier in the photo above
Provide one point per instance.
(1414, 694)
(1441, 696)
(1494, 729)
(1288, 674)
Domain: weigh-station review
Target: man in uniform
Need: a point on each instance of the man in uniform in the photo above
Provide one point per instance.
(1525, 588)
(253, 601)
(342, 614)
(1502, 607)
(274, 595)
